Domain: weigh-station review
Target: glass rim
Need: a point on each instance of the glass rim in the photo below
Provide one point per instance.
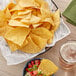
(62, 46)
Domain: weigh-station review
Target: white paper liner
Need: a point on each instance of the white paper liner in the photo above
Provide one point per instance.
(18, 56)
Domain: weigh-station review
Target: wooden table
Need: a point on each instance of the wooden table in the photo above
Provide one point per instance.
(52, 54)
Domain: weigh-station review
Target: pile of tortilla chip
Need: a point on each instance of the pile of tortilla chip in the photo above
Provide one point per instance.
(28, 25)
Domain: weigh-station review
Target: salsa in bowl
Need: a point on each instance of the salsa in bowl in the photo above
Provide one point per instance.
(34, 67)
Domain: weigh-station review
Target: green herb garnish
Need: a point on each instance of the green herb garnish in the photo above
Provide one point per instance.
(35, 67)
(39, 73)
(44, 75)
(29, 69)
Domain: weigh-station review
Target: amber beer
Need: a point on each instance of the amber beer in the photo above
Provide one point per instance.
(68, 55)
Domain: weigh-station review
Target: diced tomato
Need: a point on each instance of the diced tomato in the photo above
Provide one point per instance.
(35, 72)
(37, 65)
(32, 62)
(30, 65)
(31, 73)
(27, 69)
(37, 62)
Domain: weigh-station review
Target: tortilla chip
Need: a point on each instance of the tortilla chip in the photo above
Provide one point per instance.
(17, 23)
(45, 5)
(17, 35)
(36, 25)
(23, 12)
(25, 21)
(34, 12)
(56, 19)
(10, 6)
(24, 43)
(17, 1)
(40, 42)
(34, 19)
(42, 32)
(47, 67)
(17, 7)
(14, 15)
(31, 47)
(45, 13)
(36, 4)
(46, 25)
(14, 47)
(27, 17)
(38, 13)
(51, 39)
(45, 10)
(49, 20)
(4, 30)
(3, 19)
(17, 17)
(39, 2)
(26, 3)
(8, 14)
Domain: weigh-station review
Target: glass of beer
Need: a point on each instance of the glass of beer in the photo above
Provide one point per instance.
(68, 55)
